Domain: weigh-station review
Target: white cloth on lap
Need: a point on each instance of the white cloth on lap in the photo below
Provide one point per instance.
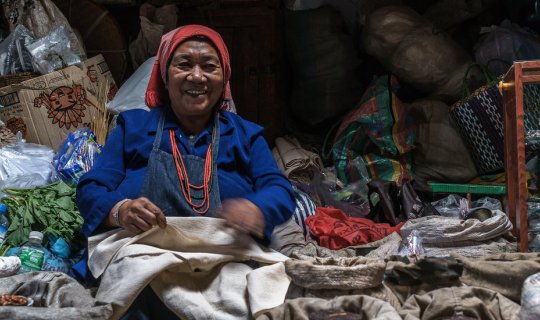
(193, 265)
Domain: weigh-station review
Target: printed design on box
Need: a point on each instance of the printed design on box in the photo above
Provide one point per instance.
(16, 124)
(92, 74)
(113, 89)
(66, 105)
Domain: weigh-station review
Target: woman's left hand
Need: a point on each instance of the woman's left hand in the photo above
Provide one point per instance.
(243, 215)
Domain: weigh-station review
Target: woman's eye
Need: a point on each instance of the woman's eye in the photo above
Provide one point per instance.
(183, 65)
(209, 67)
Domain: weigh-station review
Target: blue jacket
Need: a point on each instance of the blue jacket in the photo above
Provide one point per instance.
(246, 167)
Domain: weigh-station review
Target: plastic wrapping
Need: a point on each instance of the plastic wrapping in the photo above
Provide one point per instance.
(76, 156)
(504, 44)
(14, 56)
(452, 206)
(53, 51)
(330, 191)
(131, 93)
(533, 219)
(412, 245)
(486, 202)
(40, 16)
(530, 298)
(458, 207)
(533, 183)
(25, 165)
(532, 139)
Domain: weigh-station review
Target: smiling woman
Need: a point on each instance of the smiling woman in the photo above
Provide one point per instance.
(188, 156)
(195, 83)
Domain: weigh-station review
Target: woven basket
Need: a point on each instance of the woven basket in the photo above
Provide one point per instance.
(16, 78)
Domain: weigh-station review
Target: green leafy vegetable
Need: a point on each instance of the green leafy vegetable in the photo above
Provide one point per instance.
(49, 209)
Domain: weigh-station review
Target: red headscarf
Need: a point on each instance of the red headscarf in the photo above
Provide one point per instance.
(156, 92)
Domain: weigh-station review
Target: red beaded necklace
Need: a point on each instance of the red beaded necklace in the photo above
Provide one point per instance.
(185, 185)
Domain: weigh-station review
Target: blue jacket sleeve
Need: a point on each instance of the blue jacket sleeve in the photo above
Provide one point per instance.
(273, 191)
(96, 191)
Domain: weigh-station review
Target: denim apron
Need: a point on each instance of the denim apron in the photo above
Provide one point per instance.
(162, 186)
(161, 183)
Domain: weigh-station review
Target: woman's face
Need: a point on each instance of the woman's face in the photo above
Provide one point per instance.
(195, 78)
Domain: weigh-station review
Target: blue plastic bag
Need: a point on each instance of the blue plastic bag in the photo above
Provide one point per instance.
(76, 156)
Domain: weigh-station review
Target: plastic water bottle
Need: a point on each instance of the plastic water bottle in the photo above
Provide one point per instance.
(530, 298)
(533, 218)
(32, 253)
(4, 223)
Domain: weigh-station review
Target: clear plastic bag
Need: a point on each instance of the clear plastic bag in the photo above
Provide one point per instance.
(53, 51)
(76, 156)
(532, 139)
(530, 298)
(452, 206)
(458, 207)
(14, 56)
(487, 203)
(412, 245)
(331, 192)
(25, 165)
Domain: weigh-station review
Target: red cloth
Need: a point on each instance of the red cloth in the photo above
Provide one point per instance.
(156, 92)
(335, 230)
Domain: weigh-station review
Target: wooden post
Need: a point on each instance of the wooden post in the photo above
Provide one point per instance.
(522, 72)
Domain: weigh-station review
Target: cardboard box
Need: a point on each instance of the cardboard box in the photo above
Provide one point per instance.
(47, 108)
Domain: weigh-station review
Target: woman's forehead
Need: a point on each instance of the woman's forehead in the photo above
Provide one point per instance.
(196, 47)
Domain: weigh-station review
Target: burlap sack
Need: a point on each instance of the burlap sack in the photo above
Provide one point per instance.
(336, 273)
(55, 296)
(504, 273)
(380, 249)
(420, 277)
(460, 303)
(155, 22)
(363, 307)
(440, 153)
(408, 45)
(446, 14)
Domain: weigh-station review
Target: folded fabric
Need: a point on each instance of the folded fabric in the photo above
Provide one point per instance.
(294, 161)
(313, 308)
(55, 295)
(335, 230)
(460, 303)
(336, 273)
(438, 229)
(194, 265)
(287, 237)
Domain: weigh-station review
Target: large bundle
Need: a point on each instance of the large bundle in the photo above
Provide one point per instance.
(409, 46)
(40, 17)
(440, 152)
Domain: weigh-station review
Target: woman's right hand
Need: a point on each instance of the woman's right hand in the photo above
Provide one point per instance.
(140, 215)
